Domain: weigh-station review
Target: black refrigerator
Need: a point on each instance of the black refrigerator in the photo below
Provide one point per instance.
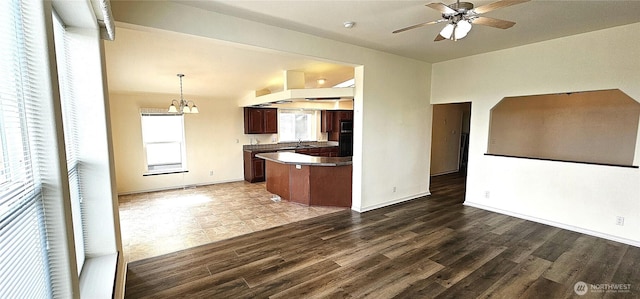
(345, 139)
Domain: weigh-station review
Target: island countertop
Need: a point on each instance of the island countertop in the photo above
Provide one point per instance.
(300, 159)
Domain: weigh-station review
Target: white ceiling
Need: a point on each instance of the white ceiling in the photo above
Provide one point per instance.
(537, 20)
(147, 60)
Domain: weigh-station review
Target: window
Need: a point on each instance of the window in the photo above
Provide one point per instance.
(296, 125)
(23, 242)
(163, 140)
(68, 101)
(4, 162)
(37, 222)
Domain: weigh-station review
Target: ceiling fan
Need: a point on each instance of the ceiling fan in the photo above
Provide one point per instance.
(461, 15)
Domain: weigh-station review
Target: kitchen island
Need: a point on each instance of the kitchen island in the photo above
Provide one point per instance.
(309, 180)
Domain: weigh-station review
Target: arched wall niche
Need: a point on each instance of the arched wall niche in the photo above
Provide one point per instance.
(598, 127)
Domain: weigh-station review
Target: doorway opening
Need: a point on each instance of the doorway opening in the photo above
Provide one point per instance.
(450, 138)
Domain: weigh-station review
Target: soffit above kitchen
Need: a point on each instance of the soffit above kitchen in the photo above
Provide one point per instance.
(146, 60)
(537, 20)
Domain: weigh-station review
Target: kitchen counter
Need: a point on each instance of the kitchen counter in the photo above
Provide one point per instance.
(300, 159)
(273, 147)
(309, 180)
(255, 167)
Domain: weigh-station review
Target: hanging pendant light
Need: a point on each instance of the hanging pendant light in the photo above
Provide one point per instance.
(183, 106)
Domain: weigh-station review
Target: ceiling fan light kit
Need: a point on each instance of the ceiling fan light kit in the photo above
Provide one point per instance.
(456, 31)
(460, 16)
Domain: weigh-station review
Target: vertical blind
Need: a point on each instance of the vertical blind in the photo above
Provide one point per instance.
(24, 271)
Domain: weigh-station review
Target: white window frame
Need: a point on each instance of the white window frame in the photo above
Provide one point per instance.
(311, 130)
(4, 159)
(179, 165)
(68, 68)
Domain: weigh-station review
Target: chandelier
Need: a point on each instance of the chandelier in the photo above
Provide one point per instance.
(183, 106)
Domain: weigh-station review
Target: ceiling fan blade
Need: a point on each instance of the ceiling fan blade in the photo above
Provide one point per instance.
(495, 5)
(491, 22)
(419, 25)
(439, 38)
(441, 7)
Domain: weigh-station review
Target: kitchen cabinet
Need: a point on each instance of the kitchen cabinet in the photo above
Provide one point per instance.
(334, 117)
(260, 120)
(270, 121)
(254, 168)
(314, 151)
(331, 151)
(310, 181)
(345, 115)
(326, 121)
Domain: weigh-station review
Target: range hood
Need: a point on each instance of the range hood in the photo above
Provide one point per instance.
(294, 91)
(308, 94)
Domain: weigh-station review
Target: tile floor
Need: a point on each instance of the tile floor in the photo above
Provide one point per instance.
(156, 223)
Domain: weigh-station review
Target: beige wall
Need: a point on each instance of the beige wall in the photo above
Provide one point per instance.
(214, 139)
(586, 198)
(595, 126)
(392, 115)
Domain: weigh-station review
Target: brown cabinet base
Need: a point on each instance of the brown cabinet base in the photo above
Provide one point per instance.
(254, 168)
(310, 185)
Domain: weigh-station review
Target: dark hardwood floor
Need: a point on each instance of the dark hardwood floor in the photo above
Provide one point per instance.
(428, 247)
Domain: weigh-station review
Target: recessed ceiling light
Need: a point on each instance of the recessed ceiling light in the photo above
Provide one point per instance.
(322, 81)
(349, 24)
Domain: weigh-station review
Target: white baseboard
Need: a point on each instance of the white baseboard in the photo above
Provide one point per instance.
(446, 172)
(179, 187)
(556, 224)
(382, 205)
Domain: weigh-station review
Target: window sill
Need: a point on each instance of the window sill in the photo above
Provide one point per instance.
(98, 276)
(164, 172)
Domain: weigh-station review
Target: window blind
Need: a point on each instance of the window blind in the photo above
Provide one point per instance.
(163, 139)
(24, 270)
(68, 101)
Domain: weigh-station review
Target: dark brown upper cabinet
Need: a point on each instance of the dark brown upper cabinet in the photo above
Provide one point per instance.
(330, 122)
(326, 121)
(260, 120)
